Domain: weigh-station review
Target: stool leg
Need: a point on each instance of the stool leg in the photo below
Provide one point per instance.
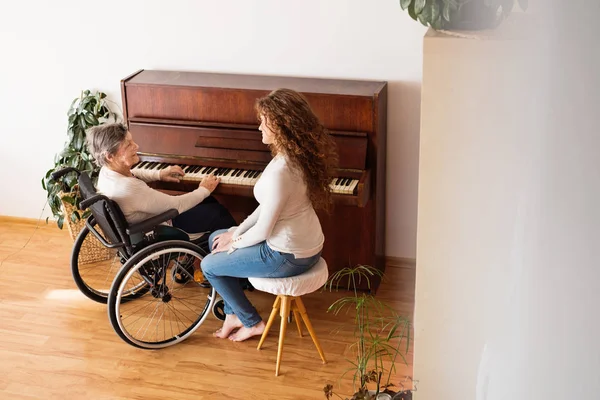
(297, 318)
(302, 310)
(270, 321)
(285, 311)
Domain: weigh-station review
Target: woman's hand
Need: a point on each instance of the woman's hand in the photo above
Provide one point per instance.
(210, 182)
(222, 242)
(172, 173)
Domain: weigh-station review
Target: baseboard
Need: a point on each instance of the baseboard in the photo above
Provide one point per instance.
(27, 221)
(400, 262)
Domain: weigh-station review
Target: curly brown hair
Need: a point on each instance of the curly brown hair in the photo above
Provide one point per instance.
(302, 138)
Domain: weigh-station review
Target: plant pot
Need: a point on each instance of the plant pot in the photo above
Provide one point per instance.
(475, 16)
(91, 249)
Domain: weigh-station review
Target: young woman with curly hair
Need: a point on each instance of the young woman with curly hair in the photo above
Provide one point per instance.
(283, 236)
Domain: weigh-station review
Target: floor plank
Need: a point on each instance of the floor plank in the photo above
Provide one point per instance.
(57, 344)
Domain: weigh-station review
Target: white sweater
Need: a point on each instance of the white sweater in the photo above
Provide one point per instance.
(138, 201)
(285, 217)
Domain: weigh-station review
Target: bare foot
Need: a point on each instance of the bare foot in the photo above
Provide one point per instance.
(246, 333)
(231, 322)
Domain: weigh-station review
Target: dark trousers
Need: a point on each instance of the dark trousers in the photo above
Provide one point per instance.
(208, 216)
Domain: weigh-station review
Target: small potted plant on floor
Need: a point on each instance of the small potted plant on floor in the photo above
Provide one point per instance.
(381, 336)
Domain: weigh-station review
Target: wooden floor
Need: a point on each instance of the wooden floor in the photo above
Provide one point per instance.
(57, 344)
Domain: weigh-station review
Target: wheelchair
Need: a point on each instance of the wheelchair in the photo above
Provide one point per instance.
(147, 280)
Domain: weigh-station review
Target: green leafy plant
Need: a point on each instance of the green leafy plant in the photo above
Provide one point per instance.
(87, 110)
(466, 14)
(380, 334)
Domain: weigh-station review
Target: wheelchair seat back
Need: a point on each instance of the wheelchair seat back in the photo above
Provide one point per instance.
(107, 214)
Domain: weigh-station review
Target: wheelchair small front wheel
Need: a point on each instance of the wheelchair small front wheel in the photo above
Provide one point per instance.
(219, 309)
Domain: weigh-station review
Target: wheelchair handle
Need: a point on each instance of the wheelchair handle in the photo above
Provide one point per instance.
(57, 174)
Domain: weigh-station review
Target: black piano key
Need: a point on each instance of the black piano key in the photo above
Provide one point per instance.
(346, 181)
(338, 181)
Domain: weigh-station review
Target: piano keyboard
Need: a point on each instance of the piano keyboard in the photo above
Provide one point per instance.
(236, 176)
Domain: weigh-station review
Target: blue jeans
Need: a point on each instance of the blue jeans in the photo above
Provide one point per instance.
(259, 261)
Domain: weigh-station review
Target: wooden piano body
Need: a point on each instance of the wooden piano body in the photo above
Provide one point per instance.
(207, 119)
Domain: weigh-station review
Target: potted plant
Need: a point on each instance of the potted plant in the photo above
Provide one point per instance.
(87, 110)
(461, 14)
(381, 336)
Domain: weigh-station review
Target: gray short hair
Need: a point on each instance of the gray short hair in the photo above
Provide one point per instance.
(103, 140)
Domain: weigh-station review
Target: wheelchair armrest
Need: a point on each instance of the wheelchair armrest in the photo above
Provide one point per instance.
(88, 202)
(150, 223)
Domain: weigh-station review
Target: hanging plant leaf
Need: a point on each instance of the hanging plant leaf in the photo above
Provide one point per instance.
(405, 3)
(435, 12)
(446, 12)
(419, 6)
(425, 16)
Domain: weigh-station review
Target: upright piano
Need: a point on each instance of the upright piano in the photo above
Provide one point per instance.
(206, 123)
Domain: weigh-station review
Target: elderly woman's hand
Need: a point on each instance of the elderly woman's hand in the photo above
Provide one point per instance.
(210, 182)
(172, 173)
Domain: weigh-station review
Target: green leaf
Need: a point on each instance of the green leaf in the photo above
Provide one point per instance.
(438, 23)
(419, 6)
(411, 11)
(446, 12)
(435, 12)
(405, 3)
(425, 16)
(69, 199)
(60, 221)
(91, 119)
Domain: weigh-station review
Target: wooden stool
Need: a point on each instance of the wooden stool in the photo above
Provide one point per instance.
(289, 292)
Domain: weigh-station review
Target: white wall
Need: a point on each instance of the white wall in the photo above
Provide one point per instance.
(52, 50)
(508, 222)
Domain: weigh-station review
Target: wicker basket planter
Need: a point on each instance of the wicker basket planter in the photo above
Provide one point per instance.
(91, 249)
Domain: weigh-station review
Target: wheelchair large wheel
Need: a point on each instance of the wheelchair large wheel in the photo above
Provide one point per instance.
(171, 309)
(94, 266)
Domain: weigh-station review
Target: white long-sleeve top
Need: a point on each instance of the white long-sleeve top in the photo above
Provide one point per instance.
(138, 201)
(285, 217)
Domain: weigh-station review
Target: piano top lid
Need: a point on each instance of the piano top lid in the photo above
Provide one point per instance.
(256, 82)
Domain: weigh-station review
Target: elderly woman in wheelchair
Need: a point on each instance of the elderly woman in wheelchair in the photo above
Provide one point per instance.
(155, 244)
